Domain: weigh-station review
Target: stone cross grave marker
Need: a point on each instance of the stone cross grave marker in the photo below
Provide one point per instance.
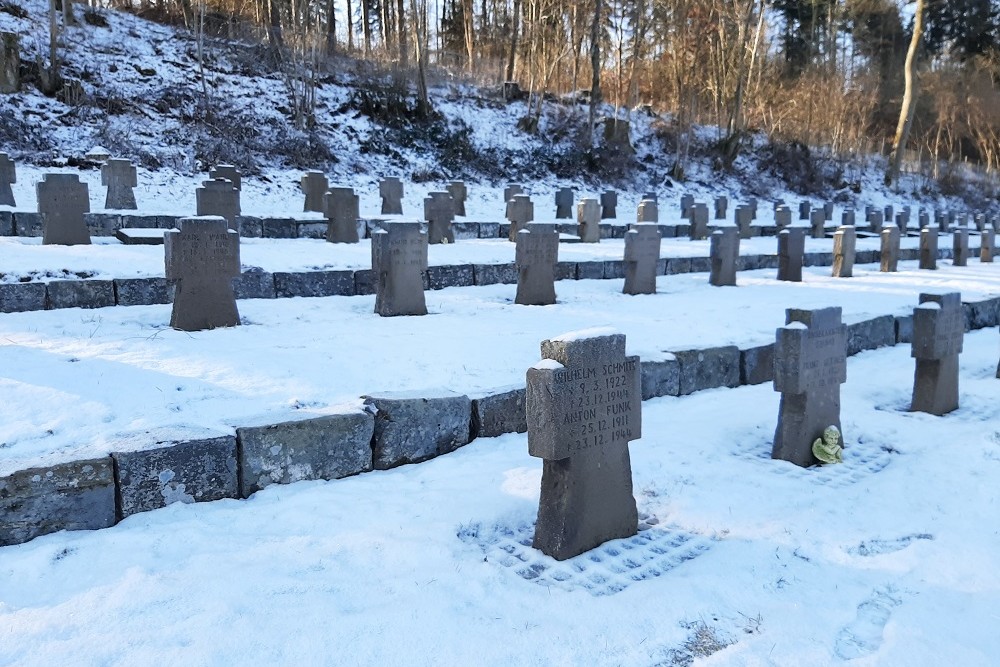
(923, 219)
(687, 203)
(62, 201)
(980, 221)
(791, 248)
(848, 217)
(399, 260)
(650, 195)
(458, 193)
(564, 203)
(510, 191)
(391, 191)
(928, 247)
(583, 407)
(8, 175)
(342, 208)
(724, 252)
(699, 221)
(810, 364)
(520, 211)
(949, 221)
(642, 254)
(119, 176)
(648, 211)
(938, 333)
(752, 203)
(439, 212)
(782, 217)
(889, 213)
(844, 244)
(805, 210)
(609, 205)
(744, 217)
(889, 251)
(875, 221)
(218, 197)
(817, 223)
(721, 207)
(202, 255)
(314, 186)
(828, 210)
(536, 256)
(986, 242)
(960, 246)
(588, 219)
(228, 172)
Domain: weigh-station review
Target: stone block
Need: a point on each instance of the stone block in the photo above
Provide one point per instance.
(328, 447)
(254, 283)
(364, 282)
(682, 230)
(903, 326)
(497, 414)
(22, 297)
(565, 271)
(194, 471)
(661, 266)
(589, 270)
(311, 230)
(7, 223)
(464, 231)
(69, 496)
(618, 231)
(495, 274)
(28, 223)
(250, 226)
(708, 368)
(142, 291)
(614, 268)
(102, 224)
(135, 236)
(278, 228)
(757, 364)
(138, 221)
(660, 378)
(871, 334)
(677, 265)
(982, 314)
(866, 257)
(701, 264)
(409, 428)
(439, 277)
(667, 231)
(490, 230)
(314, 283)
(80, 294)
(504, 230)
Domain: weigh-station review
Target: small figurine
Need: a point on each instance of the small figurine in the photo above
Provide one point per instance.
(828, 449)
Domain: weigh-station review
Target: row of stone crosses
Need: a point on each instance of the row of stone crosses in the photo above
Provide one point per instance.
(583, 407)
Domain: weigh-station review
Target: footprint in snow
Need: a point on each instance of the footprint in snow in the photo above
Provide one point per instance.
(863, 635)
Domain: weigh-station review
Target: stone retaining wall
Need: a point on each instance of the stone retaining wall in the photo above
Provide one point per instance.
(390, 430)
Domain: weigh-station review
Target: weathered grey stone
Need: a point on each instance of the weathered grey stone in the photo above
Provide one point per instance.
(510, 191)
(721, 207)
(938, 333)
(791, 248)
(411, 429)
(341, 209)
(982, 314)
(614, 268)
(871, 334)
(699, 221)
(310, 230)
(660, 378)
(642, 257)
(828, 210)
(439, 212)
(7, 223)
(8, 175)
(889, 252)
(10, 66)
(708, 368)
(142, 291)
(254, 283)
(960, 246)
(848, 217)
(987, 244)
(805, 210)
(586, 492)
(724, 252)
(568, 270)
(687, 204)
(314, 284)
(391, 191)
(279, 228)
(647, 212)
(21, 297)
(202, 256)
(450, 275)
(817, 224)
(399, 261)
(102, 224)
(609, 205)
(495, 274)
(536, 256)
(490, 230)
(564, 203)
(119, 176)
(314, 185)
(875, 221)
(520, 211)
(589, 270)
(844, 244)
(458, 193)
(810, 364)
(329, 447)
(229, 173)
(757, 364)
(496, 414)
(219, 197)
(249, 226)
(782, 217)
(904, 328)
(928, 247)
(140, 236)
(188, 472)
(80, 294)
(588, 218)
(744, 217)
(465, 231)
(62, 202)
(69, 496)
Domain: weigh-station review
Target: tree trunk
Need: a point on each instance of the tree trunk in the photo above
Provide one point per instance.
(509, 76)
(274, 29)
(595, 65)
(350, 28)
(366, 26)
(419, 43)
(331, 28)
(401, 33)
(909, 98)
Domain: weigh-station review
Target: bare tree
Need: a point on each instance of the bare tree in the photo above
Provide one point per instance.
(909, 99)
